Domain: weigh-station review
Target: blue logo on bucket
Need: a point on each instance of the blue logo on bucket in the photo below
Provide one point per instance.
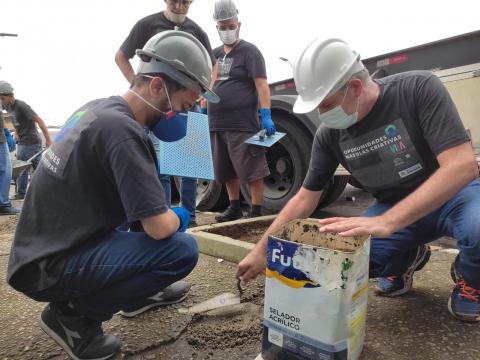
(282, 266)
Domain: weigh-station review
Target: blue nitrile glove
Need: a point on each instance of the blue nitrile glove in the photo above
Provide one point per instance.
(183, 216)
(10, 140)
(203, 110)
(267, 122)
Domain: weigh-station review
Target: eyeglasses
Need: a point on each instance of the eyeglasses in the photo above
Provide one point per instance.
(184, 3)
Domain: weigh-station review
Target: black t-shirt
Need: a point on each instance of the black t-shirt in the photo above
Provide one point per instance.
(153, 24)
(99, 173)
(393, 150)
(235, 85)
(23, 116)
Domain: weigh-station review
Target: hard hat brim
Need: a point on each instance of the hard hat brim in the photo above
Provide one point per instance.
(303, 107)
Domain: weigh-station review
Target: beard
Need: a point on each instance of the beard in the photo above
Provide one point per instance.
(174, 17)
(156, 116)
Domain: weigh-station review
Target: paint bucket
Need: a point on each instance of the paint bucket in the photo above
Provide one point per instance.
(316, 291)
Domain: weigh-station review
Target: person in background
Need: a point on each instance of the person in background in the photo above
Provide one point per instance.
(242, 86)
(24, 119)
(102, 172)
(6, 141)
(402, 138)
(174, 17)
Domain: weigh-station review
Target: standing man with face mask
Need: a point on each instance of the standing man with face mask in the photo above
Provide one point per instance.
(242, 86)
(401, 137)
(174, 17)
(102, 169)
(25, 121)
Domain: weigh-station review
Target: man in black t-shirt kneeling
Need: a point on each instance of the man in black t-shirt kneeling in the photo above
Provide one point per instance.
(101, 172)
(402, 139)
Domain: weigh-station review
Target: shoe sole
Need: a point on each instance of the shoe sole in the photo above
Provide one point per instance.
(151, 306)
(225, 220)
(418, 264)
(64, 346)
(461, 317)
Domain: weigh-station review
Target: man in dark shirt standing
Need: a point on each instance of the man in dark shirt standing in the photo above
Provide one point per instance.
(242, 85)
(401, 137)
(100, 173)
(174, 17)
(24, 120)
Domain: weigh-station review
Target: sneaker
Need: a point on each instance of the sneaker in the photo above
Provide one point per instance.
(229, 215)
(9, 210)
(398, 285)
(172, 294)
(81, 338)
(464, 302)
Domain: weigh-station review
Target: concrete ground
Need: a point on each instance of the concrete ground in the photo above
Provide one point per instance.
(414, 326)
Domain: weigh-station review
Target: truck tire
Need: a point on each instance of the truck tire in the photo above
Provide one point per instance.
(333, 190)
(210, 195)
(288, 161)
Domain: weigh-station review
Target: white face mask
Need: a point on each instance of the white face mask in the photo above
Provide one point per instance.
(228, 37)
(337, 118)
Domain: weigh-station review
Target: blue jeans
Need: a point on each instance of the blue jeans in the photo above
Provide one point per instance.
(5, 175)
(25, 152)
(188, 193)
(458, 218)
(121, 271)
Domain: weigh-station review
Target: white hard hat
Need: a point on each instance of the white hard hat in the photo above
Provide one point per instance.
(224, 10)
(322, 69)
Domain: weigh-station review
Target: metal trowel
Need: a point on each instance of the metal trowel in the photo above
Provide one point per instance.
(222, 300)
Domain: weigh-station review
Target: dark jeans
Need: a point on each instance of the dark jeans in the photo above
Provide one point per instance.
(188, 193)
(25, 152)
(121, 271)
(458, 218)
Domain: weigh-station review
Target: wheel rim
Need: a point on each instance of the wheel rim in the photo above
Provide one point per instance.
(202, 189)
(282, 173)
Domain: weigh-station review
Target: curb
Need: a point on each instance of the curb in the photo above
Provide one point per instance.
(224, 247)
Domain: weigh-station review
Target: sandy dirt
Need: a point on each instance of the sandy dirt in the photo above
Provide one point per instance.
(249, 232)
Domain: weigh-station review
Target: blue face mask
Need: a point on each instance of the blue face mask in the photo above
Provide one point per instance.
(337, 118)
(172, 125)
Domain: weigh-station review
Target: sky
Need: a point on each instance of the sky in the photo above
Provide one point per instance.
(63, 56)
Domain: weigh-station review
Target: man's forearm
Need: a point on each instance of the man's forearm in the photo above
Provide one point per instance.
(433, 193)
(44, 129)
(263, 93)
(124, 66)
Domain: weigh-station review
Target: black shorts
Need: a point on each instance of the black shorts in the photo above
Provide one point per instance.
(232, 158)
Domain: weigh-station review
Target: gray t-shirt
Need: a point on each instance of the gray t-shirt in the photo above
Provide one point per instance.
(393, 150)
(23, 119)
(235, 85)
(153, 24)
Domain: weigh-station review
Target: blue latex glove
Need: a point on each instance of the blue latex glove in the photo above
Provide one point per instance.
(267, 122)
(203, 110)
(10, 140)
(183, 216)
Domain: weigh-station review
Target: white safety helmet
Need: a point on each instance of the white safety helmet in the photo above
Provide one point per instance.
(322, 69)
(224, 10)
